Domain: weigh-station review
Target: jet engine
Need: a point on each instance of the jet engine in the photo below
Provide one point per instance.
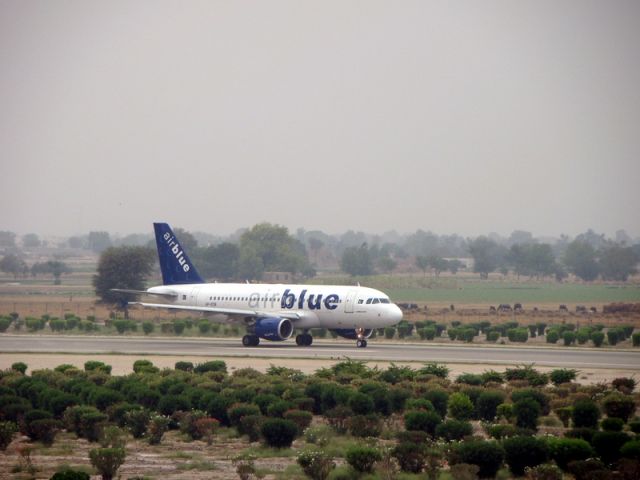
(273, 328)
(351, 333)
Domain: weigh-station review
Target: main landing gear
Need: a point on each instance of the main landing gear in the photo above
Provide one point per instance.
(304, 339)
(250, 340)
(361, 341)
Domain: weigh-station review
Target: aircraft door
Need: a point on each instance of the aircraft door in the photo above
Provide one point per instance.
(350, 301)
(193, 296)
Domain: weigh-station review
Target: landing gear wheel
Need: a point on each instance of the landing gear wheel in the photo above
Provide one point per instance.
(250, 340)
(361, 343)
(304, 340)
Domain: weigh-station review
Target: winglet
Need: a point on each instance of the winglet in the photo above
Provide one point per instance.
(175, 264)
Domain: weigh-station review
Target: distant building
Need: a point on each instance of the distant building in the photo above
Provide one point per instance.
(278, 277)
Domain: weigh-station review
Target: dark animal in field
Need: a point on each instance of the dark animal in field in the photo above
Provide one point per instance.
(517, 307)
(535, 309)
(492, 309)
(451, 307)
(593, 310)
(504, 307)
(581, 309)
(563, 308)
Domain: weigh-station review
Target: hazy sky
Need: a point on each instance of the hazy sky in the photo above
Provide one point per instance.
(466, 116)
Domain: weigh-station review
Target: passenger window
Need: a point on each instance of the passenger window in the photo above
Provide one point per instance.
(184, 297)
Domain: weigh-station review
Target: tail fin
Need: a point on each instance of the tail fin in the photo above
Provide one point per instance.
(174, 261)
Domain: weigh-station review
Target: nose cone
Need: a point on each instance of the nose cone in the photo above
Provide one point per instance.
(395, 314)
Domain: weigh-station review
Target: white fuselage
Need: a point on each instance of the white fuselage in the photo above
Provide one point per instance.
(315, 306)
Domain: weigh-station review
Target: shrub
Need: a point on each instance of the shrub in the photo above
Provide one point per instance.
(422, 421)
(239, 410)
(534, 394)
(362, 458)
(316, 464)
(184, 366)
(4, 323)
(137, 422)
(452, 430)
(612, 424)
(169, 404)
(19, 367)
(300, 417)
(7, 429)
(500, 431)
(524, 451)
(204, 427)
(635, 338)
(565, 450)
(361, 404)
(618, 405)
(212, 366)
(107, 461)
(569, 338)
(148, 327)
(562, 375)
(581, 469)
(460, 406)
(251, 425)
(597, 338)
(487, 455)
(608, 444)
(634, 426)
(624, 384)
(553, 336)
(179, 326)
(158, 425)
(142, 365)
(435, 369)
(43, 430)
(582, 336)
(527, 412)
(631, 449)
(487, 404)
(493, 336)
(94, 365)
(279, 433)
(278, 408)
(68, 474)
(545, 471)
(411, 456)
(613, 336)
(585, 414)
(470, 379)
(365, 425)
(389, 332)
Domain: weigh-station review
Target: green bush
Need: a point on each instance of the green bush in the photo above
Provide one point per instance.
(184, 366)
(460, 406)
(94, 365)
(68, 474)
(5, 323)
(239, 410)
(562, 375)
(157, 427)
(251, 425)
(585, 414)
(316, 464)
(211, 366)
(597, 338)
(619, 405)
(544, 471)
(43, 430)
(608, 444)
(365, 425)
(635, 338)
(423, 421)
(470, 379)
(179, 326)
(279, 433)
(7, 429)
(582, 469)
(535, 394)
(524, 451)
(169, 404)
(107, 461)
(612, 424)
(453, 430)
(493, 336)
(278, 408)
(204, 326)
(527, 412)
(361, 404)
(553, 336)
(148, 327)
(439, 399)
(411, 456)
(389, 332)
(137, 422)
(19, 367)
(300, 417)
(631, 449)
(362, 458)
(487, 455)
(569, 338)
(565, 450)
(487, 404)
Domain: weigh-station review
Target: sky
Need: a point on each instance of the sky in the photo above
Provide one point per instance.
(456, 117)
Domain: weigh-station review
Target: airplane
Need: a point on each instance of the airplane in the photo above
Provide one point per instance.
(269, 312)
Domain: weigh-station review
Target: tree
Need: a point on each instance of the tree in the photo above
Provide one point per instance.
(438, 264)
(7, 239)
(270, 248)
(356, 261)
(52, 267)
(107, 461)
(422, 263)
(13, 264)
(31, 240)
(99, 241)
(387, 264)
(532, 259)
(122, 267)
(580, 259)
(219, 261)
(487, 256)
(617, 262)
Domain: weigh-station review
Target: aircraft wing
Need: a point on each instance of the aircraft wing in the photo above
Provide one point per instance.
(226, 311)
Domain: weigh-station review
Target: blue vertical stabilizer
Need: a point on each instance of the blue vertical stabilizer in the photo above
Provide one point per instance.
(175, 264)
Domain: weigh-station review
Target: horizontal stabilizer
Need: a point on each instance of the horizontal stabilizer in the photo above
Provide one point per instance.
(145, 292)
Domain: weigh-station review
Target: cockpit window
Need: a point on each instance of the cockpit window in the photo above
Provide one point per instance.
(360, 301)
(369, 301)
(376, 300)
(384, 300)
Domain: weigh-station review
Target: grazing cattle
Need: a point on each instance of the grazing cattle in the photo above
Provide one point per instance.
(563, 308)
(535, 309)
(504, 307)
(492, 309)
(593, 310)
(517, 307)
(452, 308)
(581, 309)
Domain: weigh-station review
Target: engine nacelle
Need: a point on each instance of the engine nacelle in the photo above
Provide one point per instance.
(275, 329)
(351, 334)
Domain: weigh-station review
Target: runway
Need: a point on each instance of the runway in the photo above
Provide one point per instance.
(567, 357)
